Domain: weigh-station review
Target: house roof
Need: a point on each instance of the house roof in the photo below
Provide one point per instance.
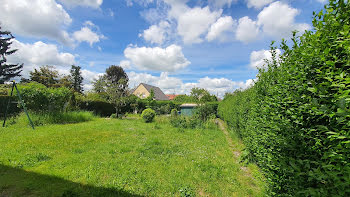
(171, 96)
(158, 93)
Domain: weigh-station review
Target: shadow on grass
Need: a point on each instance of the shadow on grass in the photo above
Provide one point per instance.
(18, 182)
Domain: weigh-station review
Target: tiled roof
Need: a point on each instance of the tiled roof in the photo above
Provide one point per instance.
(171, 96)
(158, 93)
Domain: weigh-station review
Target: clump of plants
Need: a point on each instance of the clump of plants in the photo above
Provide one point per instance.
(200, 119)
(148, 115)
(173, 113)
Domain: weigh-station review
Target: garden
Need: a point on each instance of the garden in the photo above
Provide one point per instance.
(286, 135)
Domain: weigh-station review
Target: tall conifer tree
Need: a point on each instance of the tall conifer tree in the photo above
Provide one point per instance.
(7, 71)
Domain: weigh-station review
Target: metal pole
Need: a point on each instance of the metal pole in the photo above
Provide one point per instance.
(24, 107)
(8, 104)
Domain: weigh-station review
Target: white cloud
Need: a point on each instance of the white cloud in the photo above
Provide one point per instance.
(195, 22)
(222, 29)
(257, 58)
(170, 58)
(40, 54)
(156, 33)
(35, 18)
(278, 19)
(171, 85)
(166, 83)
(247, 30)
(322, 1)
(258, 4)
(85, 3)
(85, 34)
(125, 64)
(220, 86)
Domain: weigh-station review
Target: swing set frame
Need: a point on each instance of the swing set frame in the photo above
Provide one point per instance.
(14, 86)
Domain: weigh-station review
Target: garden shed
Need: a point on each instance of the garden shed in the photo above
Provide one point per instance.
(187, 109)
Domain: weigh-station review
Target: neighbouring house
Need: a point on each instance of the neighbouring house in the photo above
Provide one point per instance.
(171, 96)
(187, 109)
(144, 90)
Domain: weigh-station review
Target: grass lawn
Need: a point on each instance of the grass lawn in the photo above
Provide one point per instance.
(108, 157)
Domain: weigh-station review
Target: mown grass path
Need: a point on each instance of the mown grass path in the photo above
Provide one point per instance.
(121, 158)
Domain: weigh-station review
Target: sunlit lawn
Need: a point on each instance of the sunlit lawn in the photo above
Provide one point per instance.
(108, 157)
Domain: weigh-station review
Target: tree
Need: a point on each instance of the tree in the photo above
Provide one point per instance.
(99, 84)
(115, 73)
(7, 71)
(76, 78)
(150, 99)
(201, 94)
(46, 75)
(116, 86)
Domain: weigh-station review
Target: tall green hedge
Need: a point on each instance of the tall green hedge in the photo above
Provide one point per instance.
(295, 120)
(40, 98)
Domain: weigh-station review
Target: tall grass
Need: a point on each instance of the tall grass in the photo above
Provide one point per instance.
(51, 118)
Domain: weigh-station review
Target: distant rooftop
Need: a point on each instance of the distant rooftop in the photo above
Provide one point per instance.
(158, 93)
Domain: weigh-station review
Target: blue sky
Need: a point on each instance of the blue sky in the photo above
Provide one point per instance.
(173, 44)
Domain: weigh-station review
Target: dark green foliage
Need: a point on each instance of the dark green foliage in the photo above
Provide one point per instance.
(46, 75)
(148, 115)
(206, 111)
(7, 71)
(76, 78)
(101, 108)
(295, 120)
(13, 109)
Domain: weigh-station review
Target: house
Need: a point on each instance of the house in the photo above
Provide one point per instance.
(171, 96)
(144, 90)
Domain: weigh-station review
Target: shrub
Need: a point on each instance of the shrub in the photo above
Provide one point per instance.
(295, 120)
(148, 115)
(173, 113)
(113, 116)
(179, 122)
(205, 111)
(101, 108)
(39, 98)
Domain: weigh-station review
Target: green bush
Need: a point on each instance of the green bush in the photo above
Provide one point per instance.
(101, 108)
(205, 111)
(113, 116)
(39, 98)
(179, 122)
(148, 115)
(173, 113)
(295, 120)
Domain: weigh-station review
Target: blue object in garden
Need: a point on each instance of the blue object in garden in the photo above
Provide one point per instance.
(187, 109)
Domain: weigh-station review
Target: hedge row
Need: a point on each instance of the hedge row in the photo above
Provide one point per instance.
(295, 120)
(13, 109)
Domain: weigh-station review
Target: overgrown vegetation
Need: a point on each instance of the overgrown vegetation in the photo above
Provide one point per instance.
(203, 117)
(295, 119)
(40, 118)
